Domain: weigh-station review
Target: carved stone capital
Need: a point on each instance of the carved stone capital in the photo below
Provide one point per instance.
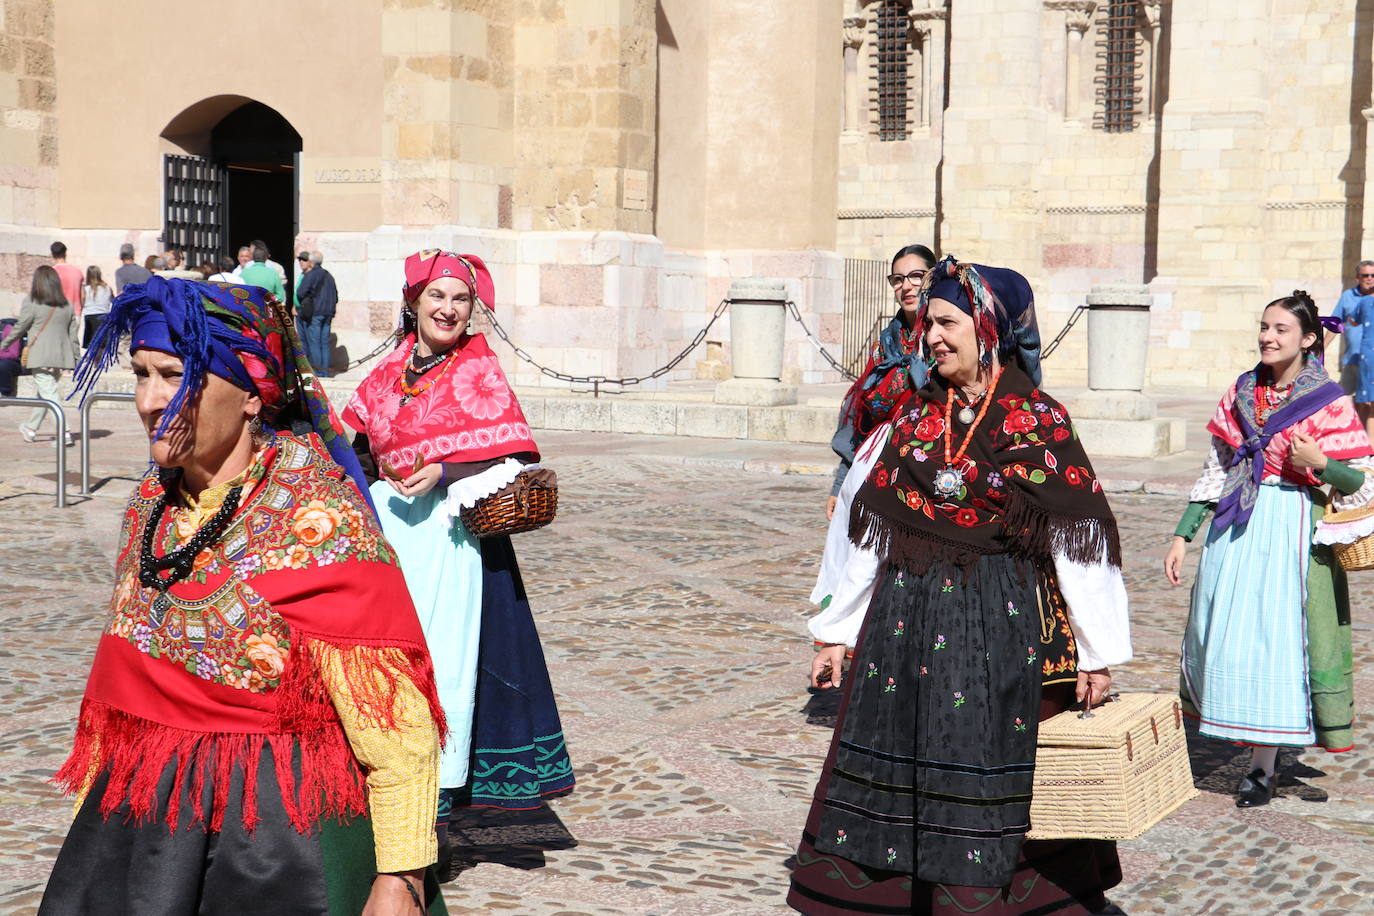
(1152, 9)
(928, 11)
(854, 27)
(1078, 14)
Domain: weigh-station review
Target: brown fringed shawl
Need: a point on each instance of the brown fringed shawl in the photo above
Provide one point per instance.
(1029, 487)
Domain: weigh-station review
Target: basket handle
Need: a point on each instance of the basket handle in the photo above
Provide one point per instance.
(1087, 712)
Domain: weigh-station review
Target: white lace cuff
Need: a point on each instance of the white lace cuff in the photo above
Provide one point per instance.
(464, 494)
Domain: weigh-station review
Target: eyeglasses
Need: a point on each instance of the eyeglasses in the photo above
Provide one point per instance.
(915, 278)
(1362, 277)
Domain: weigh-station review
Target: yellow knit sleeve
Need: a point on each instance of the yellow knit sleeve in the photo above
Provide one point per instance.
(402, 764)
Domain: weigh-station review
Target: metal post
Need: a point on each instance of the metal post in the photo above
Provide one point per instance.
(60, 442)
(86, 429)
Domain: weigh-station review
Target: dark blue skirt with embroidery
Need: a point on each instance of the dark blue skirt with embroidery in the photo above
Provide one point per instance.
(518, 754)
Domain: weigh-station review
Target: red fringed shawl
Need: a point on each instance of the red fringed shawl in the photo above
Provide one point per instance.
(301, 579)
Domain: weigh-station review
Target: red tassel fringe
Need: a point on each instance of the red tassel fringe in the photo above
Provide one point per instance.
(136, 751)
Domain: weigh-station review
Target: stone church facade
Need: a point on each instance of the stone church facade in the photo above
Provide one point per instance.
(619, 162)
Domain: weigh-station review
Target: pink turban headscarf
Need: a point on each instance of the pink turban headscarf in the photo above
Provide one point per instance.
(424, 267)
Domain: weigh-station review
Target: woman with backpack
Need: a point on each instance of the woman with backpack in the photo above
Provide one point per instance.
(50, 322)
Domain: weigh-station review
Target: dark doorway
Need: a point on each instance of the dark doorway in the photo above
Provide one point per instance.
(258, 151)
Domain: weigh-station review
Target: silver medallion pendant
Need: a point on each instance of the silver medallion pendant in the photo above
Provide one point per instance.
(948, 482)
(966, 415)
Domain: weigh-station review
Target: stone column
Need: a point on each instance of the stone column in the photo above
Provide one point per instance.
(1367, 233)
(1115, 418)
(1212, 187)
(725, 212)
(854, 27)
(993, 132)
(1153, 10)
(1077, 17)
(928, 22)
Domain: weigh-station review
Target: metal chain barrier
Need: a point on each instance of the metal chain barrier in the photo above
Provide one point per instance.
(387, 343)
(825, 354)
(596, 381)
(1054, 344)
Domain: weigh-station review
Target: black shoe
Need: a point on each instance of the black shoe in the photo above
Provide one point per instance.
(1256, 789)
(1111, 910)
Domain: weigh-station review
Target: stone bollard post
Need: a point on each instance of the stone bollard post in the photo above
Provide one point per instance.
(1118, 336)
(758, 316)
(1116, 418)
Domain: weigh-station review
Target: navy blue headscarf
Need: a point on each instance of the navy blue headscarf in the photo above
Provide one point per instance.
(1002, 306)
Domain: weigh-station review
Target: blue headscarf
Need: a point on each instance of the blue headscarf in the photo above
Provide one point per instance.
(1002, 306)
(240, 333)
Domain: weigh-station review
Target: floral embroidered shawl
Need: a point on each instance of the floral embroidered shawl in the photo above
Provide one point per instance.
(1316, 407)
(231, 661)
(470, 413)
(1029, 486)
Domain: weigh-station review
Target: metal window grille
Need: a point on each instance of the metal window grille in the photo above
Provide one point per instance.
(868, 307)
(1118, 66)
(891, 83)
(194, 208)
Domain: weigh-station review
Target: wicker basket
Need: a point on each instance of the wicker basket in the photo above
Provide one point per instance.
(1358, 554)
(528, 502)
(1112, 776)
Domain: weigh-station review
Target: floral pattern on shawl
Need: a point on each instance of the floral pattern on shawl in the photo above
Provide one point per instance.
(1334, 424)
(468, 414)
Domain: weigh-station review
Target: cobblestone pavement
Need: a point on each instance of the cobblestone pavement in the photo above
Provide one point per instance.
(671, 599)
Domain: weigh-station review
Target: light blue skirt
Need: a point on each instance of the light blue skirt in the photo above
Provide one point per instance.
(443, 571)
(1245, 648)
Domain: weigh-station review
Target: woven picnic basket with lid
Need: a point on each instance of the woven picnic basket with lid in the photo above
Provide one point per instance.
(1112, 776)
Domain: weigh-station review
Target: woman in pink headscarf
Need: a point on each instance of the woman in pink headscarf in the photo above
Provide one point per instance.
(438, 428)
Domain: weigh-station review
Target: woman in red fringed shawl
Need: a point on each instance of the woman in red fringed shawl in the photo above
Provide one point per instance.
(984, 596)
(439, 425)
(1267, 655)
(893, 372)
(254, 737)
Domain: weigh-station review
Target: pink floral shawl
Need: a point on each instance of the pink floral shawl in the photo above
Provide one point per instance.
(469, 414)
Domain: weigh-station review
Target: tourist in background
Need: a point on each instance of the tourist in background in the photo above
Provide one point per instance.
(259, 274)
(893, 371)
(1348, 311)
(276, 268)
(226, 272)
(10, 367)
(98, 296)
(317, 297)
(70, 275)
(49, 320)
(1266, 657)
(129, 271)
(245, 257)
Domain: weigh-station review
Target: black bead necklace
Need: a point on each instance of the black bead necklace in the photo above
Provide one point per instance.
(178, 563)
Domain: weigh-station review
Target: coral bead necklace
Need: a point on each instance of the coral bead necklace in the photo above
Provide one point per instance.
(949, 480)
(409, 391)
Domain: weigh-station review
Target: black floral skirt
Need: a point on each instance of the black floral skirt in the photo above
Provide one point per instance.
(925, 797)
